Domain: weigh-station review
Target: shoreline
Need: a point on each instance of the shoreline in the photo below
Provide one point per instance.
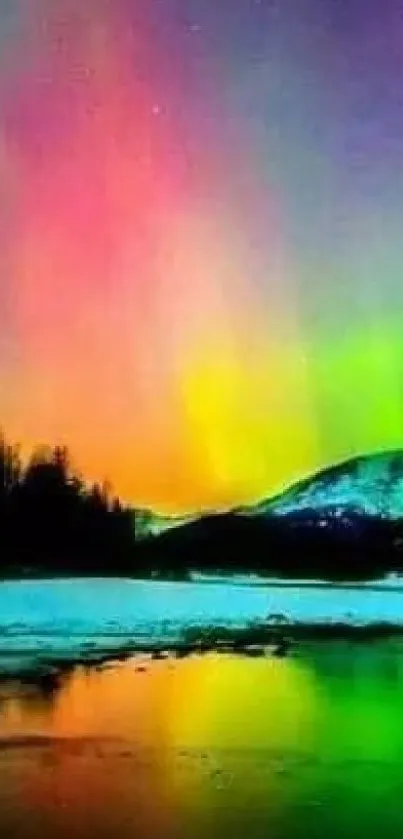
(269, 642)
(47, 625)
(390, 582)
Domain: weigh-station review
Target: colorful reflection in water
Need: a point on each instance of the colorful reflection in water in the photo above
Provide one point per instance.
(208, 746)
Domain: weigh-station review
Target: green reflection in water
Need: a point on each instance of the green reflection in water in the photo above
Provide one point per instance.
(224, 746)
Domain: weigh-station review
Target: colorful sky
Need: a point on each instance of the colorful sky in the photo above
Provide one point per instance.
(201, 262)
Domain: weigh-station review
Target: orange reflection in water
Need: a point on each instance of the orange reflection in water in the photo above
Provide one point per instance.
(216, 746)
(211, 701)
(151, 749)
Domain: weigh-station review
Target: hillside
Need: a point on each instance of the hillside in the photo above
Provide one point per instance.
(369, 485)
(344, 522)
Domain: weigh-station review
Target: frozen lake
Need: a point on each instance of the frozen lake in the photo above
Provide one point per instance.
(71, 618)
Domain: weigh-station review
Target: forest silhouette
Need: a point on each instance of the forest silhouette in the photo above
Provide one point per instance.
(53, 523)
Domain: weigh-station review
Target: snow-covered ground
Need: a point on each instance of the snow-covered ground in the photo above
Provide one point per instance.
(385, 583)
(41, 620)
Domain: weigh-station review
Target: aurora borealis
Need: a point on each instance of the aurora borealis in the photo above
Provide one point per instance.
(200, 248)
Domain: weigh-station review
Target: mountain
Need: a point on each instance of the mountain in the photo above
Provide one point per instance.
(344, 522)
(370, 485)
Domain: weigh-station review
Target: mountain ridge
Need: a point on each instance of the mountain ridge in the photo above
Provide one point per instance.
(371, 484)
(366, 484)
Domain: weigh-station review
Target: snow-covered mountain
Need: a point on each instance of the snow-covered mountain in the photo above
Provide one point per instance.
(368, 485)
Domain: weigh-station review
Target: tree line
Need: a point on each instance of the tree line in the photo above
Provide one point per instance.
(52, 522)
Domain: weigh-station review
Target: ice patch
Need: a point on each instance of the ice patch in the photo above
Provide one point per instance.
(86, 618)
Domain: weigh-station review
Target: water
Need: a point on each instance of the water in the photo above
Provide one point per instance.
(209, 746)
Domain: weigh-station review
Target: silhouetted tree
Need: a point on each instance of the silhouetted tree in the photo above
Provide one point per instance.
(51, 522)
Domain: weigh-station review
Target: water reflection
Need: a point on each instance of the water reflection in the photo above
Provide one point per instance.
(213, 745)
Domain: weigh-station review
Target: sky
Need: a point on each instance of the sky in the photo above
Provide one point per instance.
(201, 255)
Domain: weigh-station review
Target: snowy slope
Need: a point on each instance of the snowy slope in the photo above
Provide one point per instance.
(371, 485)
